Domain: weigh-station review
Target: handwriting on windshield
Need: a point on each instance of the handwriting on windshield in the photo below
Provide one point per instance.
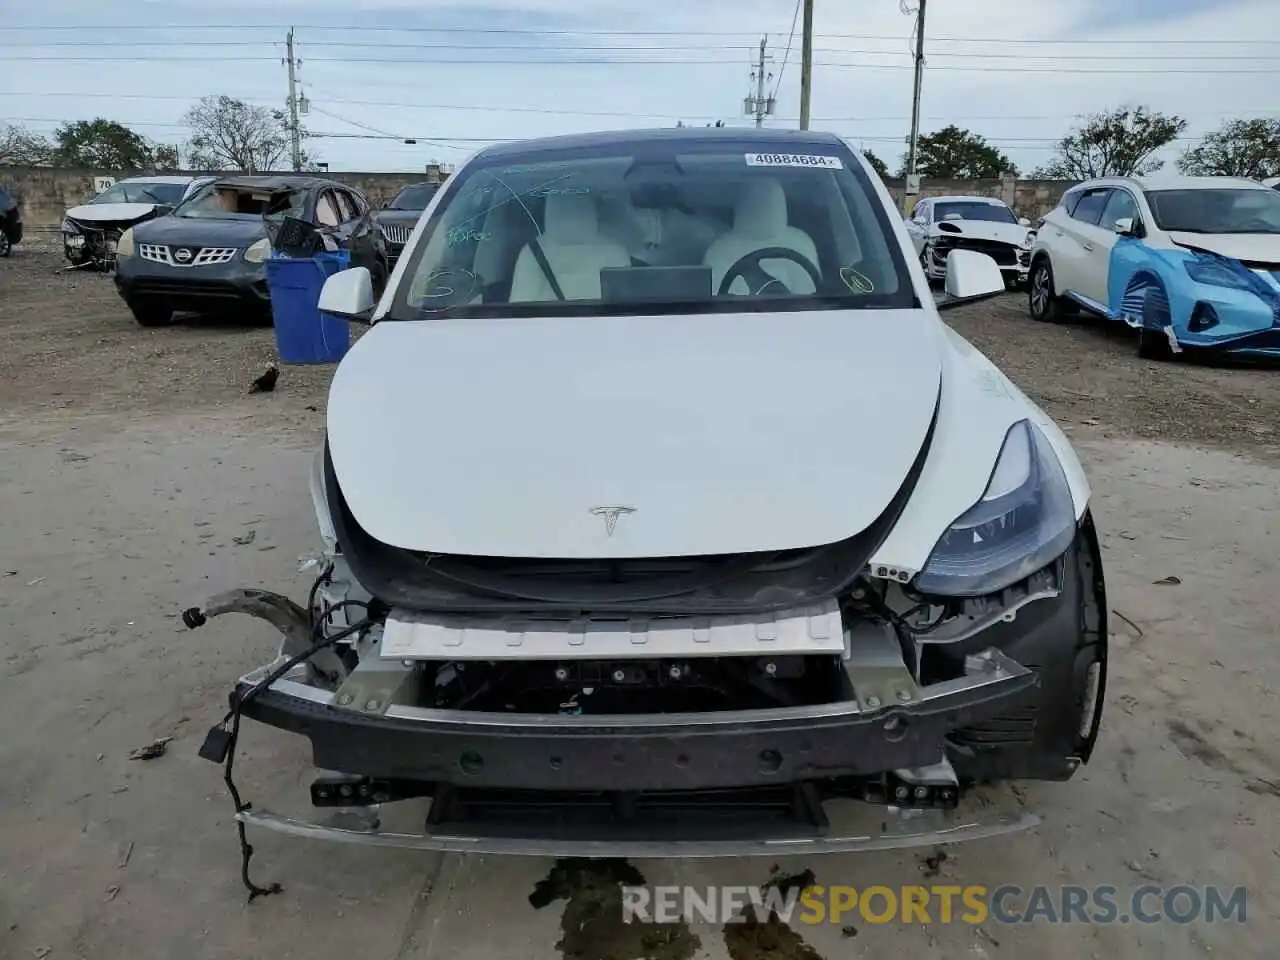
(458, 236)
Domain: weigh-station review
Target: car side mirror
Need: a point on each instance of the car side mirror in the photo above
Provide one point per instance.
(1126, 227)
(970, 276)
(1024, 222)
(348, 294)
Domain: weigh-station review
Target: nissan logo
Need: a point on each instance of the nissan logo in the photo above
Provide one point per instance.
(182, 256)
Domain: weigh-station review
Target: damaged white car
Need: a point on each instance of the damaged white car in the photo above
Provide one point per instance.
(681, 550)
(939, 225)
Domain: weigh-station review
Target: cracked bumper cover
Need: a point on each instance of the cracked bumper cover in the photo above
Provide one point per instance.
(642, 752)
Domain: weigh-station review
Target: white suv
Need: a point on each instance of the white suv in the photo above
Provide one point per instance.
(1190, 262)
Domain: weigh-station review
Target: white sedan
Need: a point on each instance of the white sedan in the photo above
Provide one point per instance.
(938, 225)
(724, 520)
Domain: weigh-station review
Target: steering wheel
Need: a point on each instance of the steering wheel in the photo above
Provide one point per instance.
(757, 278)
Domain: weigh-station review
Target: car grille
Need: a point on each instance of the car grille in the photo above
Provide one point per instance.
(181, 289)
(397, 232)
(1003, 254)
(186, 256)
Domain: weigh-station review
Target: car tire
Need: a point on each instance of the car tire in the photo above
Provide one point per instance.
(5, 246)
(1045, 304)
(1153, 342)
(148, 316)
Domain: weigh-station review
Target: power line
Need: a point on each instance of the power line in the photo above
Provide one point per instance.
(595, 48)
(375, 134)
(541, 32)
(795, 18)
(650, 62)
(607, 114)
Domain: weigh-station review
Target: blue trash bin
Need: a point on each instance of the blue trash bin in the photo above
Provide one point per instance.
(303, 334)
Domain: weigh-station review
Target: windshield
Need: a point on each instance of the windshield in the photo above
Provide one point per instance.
(657, 227)
(414, 198)
(218, 202)
(973, 210)
(142, 192)
(1226, 210)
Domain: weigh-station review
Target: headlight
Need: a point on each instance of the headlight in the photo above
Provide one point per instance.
(1028, 240)
(124, 246)
(1024, 520)
(1219, 272)
(259, 251)
(69, 227)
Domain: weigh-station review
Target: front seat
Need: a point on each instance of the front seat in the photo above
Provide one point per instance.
(759, 221)
(575, 250)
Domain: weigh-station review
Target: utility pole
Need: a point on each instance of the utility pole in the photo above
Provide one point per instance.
(295, 133)
(759, 105)
(915, 98)
(806, 65)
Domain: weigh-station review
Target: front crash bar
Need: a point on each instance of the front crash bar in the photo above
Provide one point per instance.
(925, 829)
(646, 752)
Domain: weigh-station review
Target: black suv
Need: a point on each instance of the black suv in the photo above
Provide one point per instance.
(10, 222)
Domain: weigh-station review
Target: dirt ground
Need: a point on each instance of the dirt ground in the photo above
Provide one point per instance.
(133, 466)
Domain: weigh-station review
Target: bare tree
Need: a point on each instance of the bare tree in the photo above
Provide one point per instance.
(1116, 143)
(19, 147)
(229, 134)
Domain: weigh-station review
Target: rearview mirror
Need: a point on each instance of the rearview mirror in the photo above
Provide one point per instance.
(1024, 222)
(348, 294)
(970, 276)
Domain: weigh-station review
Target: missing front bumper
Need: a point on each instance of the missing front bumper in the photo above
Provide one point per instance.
(644, 752)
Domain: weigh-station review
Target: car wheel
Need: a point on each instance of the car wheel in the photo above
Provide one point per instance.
(1046, 305)
(5, 246)
(149, 316)
(1153, 342)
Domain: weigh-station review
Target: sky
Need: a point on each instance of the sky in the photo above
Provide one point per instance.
(455, 75)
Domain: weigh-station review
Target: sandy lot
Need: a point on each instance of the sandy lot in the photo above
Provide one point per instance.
(131, 460)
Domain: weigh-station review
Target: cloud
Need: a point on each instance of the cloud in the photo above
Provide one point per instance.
(520, 68)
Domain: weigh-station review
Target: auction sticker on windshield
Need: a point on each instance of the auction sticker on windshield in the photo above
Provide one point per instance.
(793, 160)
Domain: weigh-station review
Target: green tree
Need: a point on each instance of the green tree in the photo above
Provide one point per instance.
(100, 144)
(19, 147)
(878, 165)
(1115, 143)
(953, 153)
(1239, 148)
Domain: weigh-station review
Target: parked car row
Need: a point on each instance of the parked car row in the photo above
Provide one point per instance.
(201, 244)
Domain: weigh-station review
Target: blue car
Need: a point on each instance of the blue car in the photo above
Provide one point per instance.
(1191, 263)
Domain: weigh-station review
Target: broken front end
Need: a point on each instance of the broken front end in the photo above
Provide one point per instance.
(669, 706)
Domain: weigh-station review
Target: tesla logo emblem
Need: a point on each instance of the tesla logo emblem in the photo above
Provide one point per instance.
(610, 516)
(182, 256)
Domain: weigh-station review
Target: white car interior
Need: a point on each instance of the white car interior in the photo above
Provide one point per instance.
(574, 248)
(760, 221)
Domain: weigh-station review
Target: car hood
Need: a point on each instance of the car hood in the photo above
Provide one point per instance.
(715, 433)
(111, 212)
(984, 230)
(201, 231)
(409, 217)
(1257, 247)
